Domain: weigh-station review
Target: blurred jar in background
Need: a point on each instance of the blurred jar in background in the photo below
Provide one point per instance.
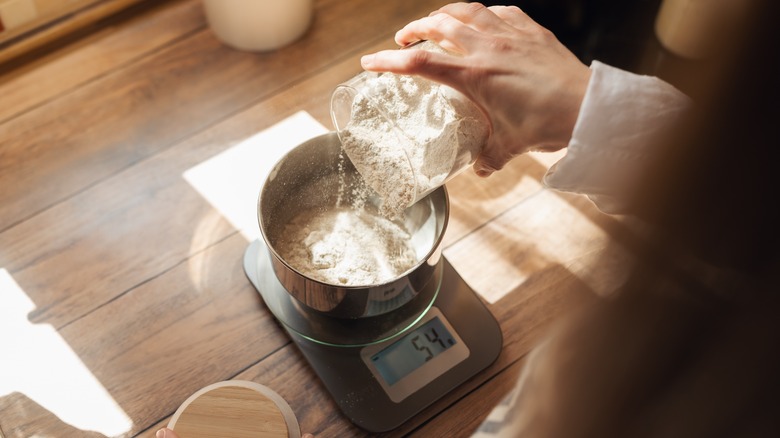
(697, 28)
(258, 25)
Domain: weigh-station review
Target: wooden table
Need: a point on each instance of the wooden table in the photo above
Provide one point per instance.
(127, 197)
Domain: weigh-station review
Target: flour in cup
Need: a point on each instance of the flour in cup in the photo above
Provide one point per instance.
(407, 135)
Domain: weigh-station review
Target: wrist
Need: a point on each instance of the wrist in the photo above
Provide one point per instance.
(573, 98)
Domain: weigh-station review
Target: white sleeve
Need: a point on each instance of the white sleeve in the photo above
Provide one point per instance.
(621, 118)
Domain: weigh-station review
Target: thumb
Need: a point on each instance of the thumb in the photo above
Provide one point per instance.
(482, 169)
(166, 433)
(488, 162)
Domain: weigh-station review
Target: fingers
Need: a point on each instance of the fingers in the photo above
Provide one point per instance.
(512, 15)
(438, 67)
(166, 433)
(398, 61)
(447, 31)
(459, 27)
(475, 15)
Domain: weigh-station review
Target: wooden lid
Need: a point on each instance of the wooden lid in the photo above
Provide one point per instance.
(235, 409)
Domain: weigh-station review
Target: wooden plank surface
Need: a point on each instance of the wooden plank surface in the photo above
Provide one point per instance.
(136, 271)
(97, 54)
(144, 107)
(56, 20)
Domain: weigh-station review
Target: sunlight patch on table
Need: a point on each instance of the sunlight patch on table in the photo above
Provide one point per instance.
(547, 159)
(37, 362)
(230, 181)
(536, 235)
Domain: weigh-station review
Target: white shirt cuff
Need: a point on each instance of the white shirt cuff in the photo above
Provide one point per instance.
(622, 117)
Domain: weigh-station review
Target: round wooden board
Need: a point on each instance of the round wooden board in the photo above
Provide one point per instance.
(235, 409)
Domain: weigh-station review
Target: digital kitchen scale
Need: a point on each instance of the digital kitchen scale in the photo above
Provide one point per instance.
(383, 370)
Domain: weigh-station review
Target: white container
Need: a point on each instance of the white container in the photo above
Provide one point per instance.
(407, 136)
(258, 25)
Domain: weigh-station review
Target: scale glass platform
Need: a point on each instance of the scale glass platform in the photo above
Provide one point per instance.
(383, 370)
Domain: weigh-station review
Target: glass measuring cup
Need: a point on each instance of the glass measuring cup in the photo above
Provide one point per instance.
(406, 135)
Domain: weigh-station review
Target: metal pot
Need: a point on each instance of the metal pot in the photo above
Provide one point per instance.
(308, 177)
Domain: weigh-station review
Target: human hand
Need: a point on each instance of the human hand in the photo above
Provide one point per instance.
(168, 433)
(528, 84)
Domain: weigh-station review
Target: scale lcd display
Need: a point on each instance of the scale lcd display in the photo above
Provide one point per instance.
(413, 350)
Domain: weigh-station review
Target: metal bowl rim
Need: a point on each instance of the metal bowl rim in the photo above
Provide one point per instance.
(406, 273)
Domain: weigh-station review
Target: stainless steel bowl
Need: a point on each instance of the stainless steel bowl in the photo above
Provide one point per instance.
(308, 177)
